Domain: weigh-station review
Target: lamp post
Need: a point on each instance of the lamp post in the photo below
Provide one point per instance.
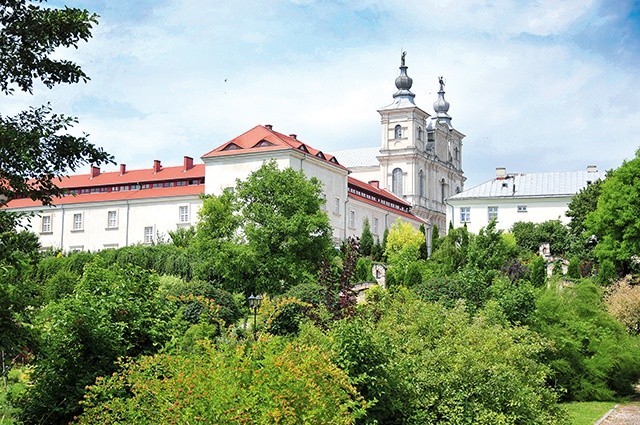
(254, 303)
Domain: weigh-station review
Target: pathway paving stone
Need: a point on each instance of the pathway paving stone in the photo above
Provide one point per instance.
(622, 414)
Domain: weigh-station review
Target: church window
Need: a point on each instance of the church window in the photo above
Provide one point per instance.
(397, 132)
(421, 183)
(419, 133)
(442, 191)
(396, 182)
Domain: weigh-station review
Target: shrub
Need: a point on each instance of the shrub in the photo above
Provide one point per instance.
(623, 302)
(272, 381)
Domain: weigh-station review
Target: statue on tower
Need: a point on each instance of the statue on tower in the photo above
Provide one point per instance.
(441, 81)
(402, 58)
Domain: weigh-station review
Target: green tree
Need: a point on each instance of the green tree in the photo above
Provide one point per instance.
(615, 220)
(266, 236)
(403, 248)
(366, 239)
(35, 148)
(581, 205)
(538, 271)
(529, 236)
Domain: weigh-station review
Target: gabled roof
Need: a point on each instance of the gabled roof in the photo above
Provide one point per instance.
(132, 176)
(164, 192)
(532, 185)
(264, 139)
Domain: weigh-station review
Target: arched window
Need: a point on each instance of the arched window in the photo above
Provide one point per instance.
(421, 183)
(396, 181)
(419, 133)
(397, 132)
(442, 185)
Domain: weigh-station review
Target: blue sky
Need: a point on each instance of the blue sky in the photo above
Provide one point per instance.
(535, 85)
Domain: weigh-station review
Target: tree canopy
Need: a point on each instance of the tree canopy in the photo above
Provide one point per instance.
(35, 146)
(615, 222)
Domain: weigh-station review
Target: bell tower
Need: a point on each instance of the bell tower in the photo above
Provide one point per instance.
(421, 155)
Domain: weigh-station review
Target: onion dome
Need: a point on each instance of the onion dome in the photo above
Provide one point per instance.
(404, 83)
(441, 106)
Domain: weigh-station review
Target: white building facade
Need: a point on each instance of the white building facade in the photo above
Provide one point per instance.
(514, 197)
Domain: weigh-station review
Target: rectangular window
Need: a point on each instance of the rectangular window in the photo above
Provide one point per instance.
(183, 214)
(157, 185)
(110, 246)
(77, 221)
(76, 248)
(375, 226)
(465, 214)
(168, 184)
(492, 213)
(148, 234)
(112, 219)
(352, 219)
(336, 206)
(522, 208)
(181, 183)
(46, 224)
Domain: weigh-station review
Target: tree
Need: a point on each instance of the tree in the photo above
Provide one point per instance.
(266, 236)
(35, 150)
(581, 205)
(403, 248)
(615, 220)
(366, 239)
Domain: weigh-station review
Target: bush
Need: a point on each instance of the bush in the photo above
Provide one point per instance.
(594, 358)
(623, 302)
(421, 363)
(272, 381)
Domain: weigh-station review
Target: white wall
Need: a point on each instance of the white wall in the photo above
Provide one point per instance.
(132, 217)
(538, 210)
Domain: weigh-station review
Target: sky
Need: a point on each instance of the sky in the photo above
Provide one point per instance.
(535, 85)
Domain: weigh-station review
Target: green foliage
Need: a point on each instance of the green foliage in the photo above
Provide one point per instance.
(623, 302)
(581, 204)
(529, 236)
(451, 256)
(421, 363)
(35, 149)
(403, 248)
(573, 268)
(366, 239)
(538, 271)
(268, 235)
(516, 299)
(182, 237)
(363, 271)
(113, 312)
(435, 238)
(615, 220)
(593, 357)
(272, 381)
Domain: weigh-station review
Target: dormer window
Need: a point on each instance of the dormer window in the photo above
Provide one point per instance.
(231, 147)
(303, 148)
(397, 132)
(320, 155)
(263, 144)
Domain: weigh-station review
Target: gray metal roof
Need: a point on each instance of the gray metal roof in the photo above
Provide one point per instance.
(526, 185)
(358, 157)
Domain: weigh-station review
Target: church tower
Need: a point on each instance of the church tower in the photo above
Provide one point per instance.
(421, 155)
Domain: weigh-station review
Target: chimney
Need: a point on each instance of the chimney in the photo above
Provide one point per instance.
(188, 163)
(592, 169)
(501, 173)
(156, 166)
(294, 136)
(269, 126)
(95, 171)
(375, 183)
(123, 169)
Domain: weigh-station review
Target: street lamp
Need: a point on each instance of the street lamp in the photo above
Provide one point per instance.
(254, 303)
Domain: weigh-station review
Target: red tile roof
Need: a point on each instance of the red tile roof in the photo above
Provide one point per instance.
(133, 176)
(163, 192)
(385, 207)
(377, 191)
(264, 139)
